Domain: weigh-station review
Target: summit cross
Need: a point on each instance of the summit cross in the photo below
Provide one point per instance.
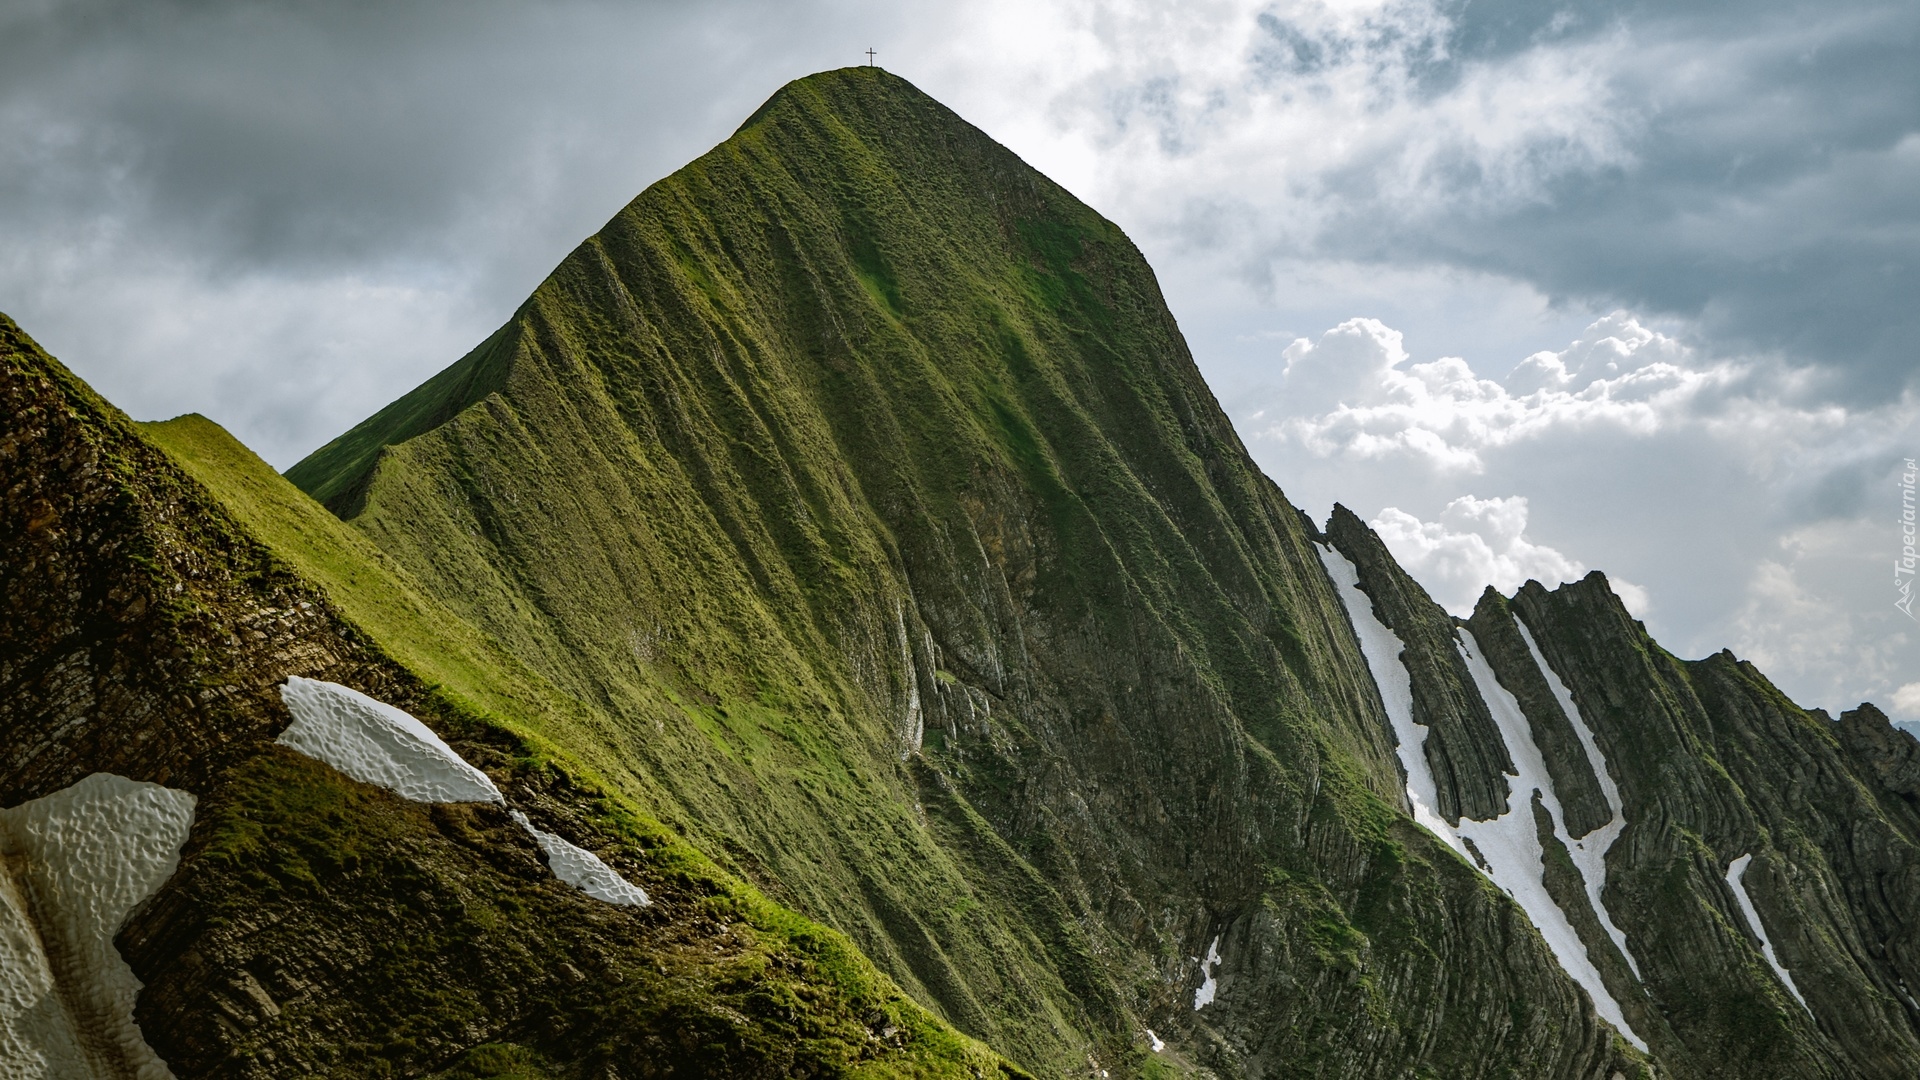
(869, 57)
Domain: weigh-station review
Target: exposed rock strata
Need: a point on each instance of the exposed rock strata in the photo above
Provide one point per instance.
(1714, 764)
(1464, 749)
(1506, 651)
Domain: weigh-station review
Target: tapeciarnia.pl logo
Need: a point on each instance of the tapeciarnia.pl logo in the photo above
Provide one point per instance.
(1903, 567)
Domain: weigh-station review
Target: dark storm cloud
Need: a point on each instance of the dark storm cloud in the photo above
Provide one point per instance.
(1771, 191)
(1763, 186)
(324, 134)
(286, 214)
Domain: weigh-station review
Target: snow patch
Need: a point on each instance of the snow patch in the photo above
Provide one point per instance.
(1506, 849)
(1737, 881)
(1382, 648)
(375, 743)
(73, 866)
(582, 869)
(1590, 851)
(1204, 996)
(1155, 1041)
(1511, 842)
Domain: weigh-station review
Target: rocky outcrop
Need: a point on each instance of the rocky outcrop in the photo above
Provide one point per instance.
(1464, 749)
(1509, 655)
(144, 633)
(1880, 750)
(1714, 765)
(1754, 896)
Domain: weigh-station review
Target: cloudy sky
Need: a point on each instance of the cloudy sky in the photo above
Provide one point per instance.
(1534, 287)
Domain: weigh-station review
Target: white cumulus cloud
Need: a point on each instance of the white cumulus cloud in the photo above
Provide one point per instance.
(1817, 617)
(1906, 700)
(1481, 542)
(1355, 393)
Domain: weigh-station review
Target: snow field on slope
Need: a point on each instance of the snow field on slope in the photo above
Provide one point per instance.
(582, 869)
(375, 743)
(76, 863)
(1511, 842)
(1508, 847)
(1590, 851)
(1381, 649)
(36, 1038)
(1737, 880)
(1204, 995)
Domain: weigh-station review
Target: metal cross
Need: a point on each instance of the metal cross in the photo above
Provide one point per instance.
(869, 57)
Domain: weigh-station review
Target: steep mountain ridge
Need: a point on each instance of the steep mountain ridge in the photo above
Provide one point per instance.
(1711, 767)
(863, 419)
(315, 925)
(1723, 767)
(850, 511)
(859, 422)
(936, 410)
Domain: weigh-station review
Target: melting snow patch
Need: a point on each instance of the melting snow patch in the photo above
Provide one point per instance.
(75, 865)
(1737, 880)
(1506, 849)
(1511, 842)
(1155, 1041)
(582, 869)
(1204, 996)
(1382, 649)
(1590, 851)
(375, 743)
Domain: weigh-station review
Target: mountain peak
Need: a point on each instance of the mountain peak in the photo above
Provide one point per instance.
(845, 91)
(844, 176)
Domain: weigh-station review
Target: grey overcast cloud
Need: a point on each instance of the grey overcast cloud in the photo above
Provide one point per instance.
(1533, 287)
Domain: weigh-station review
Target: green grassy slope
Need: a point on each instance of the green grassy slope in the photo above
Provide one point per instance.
(789, 971)
(858, 481)
(331, 472)
(157, 595)
(365, 584)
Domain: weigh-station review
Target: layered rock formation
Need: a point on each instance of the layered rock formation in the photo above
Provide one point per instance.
(849, 511)
(1762, 884)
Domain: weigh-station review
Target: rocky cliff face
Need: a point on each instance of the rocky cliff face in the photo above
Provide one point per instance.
(1715, 766)
(1759, 889)
(849, 511)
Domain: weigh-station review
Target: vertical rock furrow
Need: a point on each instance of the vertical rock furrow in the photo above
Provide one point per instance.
(1712, 765)
(1507, 653)
(1463, 746)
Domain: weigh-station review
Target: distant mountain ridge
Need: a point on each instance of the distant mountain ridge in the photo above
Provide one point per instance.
(844, 538)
